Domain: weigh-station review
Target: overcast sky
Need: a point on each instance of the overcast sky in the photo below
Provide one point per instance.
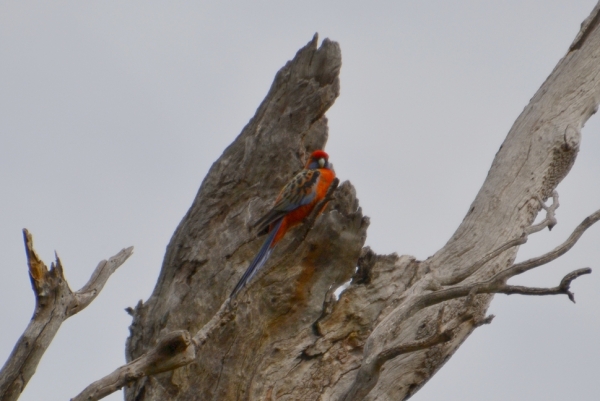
(112, 112)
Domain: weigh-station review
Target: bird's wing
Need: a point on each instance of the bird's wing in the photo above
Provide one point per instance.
(300, 191)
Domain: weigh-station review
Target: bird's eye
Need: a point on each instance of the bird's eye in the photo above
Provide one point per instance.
(321, 162)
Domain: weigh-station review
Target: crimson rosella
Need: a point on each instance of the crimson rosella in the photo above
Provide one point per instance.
(294, 203)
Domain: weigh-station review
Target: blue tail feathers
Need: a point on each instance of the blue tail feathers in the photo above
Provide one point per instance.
(259, 260)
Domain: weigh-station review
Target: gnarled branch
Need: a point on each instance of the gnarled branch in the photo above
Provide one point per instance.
(174, 350)
(55, 302)
(549, 221)
(368, 374)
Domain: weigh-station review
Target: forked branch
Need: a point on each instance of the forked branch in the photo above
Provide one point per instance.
(562, 288)
(497, 284)
(55, 302)
(369, 371)
(549, 221)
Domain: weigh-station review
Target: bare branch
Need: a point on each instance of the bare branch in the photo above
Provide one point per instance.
(176, 349)
(368, 375)
(469, 271)
(556, 252)
(103, 271)
(55, 302)
(495, 285)
(549, 221)
(562, 288)
(369, 372)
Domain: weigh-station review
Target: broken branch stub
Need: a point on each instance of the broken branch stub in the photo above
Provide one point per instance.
(55, 302)
(288, 339)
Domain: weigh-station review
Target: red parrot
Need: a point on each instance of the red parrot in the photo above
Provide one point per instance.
(294, 203)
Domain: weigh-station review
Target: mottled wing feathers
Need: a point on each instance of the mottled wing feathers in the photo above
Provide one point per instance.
(300, 191)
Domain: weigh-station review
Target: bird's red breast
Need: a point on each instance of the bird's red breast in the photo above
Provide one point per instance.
(295, 203)
(297, 216)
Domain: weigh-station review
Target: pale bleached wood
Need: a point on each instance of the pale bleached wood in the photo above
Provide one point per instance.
(290, 339)
(178, 348)
(212, 246)
(368, 374)
(55, 302)
(175, 350)
(169, 355)
(537, 154)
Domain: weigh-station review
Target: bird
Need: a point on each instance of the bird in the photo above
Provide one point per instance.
(294, 203)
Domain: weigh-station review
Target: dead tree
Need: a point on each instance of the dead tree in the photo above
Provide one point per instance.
(286, 336)
(55, 302)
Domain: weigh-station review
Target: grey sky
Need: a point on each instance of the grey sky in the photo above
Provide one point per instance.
(112, 112)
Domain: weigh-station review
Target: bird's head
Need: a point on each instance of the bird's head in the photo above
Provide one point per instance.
(318, 159)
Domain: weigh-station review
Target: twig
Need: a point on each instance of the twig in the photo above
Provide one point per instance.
(495, 285)
(556, 252)
(92, 288)
(469, 271)
(55, 302)
(367, 376)
(562, 288)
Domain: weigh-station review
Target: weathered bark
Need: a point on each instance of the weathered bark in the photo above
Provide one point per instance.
(289, 338)
(55, 303)
(173, 351)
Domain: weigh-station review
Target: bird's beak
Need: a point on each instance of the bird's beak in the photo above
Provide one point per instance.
(321, 163)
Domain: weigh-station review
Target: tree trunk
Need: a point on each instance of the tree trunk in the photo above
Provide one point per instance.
(289, 338)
